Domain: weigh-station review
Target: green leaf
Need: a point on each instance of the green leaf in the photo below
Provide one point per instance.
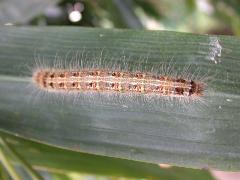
(62, 162)
(9, 150)
(157, 131)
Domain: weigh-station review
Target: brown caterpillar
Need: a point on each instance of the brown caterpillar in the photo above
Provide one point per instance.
(104, 80)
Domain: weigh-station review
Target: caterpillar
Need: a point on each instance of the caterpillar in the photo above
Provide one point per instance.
(105, 80)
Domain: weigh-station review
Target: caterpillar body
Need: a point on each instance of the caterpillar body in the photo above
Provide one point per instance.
(105, 80)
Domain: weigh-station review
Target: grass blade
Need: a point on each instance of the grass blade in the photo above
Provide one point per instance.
(198, 137)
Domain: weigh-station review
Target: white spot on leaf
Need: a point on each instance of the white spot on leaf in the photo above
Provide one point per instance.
(215, 49)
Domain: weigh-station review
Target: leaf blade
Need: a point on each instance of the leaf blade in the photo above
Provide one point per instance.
(208, 137)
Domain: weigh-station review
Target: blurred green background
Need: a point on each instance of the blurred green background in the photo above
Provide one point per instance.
(196, 16)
